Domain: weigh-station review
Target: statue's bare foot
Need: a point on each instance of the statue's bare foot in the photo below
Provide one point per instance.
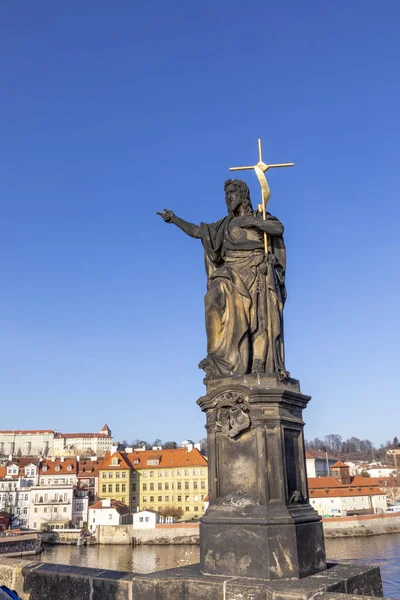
(207, 367)
(258, 366)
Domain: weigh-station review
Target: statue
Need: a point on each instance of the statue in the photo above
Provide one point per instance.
(245, 261)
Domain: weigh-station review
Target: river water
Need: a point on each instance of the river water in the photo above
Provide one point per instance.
(382, 550)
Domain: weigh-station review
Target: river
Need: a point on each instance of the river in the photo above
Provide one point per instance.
(382, 550)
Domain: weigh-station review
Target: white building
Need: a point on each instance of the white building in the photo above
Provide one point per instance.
(58, 471)
(145, 519)
(318, 463)
(36, 442)
(80, 510)
(350, 501)
(51, 507)
(379, 471)
(108, 512)
(83, 444)
(16, 481)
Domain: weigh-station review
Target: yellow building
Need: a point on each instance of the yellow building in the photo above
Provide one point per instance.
(115, 478)
(169, 479)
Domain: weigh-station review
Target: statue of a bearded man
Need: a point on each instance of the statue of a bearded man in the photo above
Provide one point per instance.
(245, 289)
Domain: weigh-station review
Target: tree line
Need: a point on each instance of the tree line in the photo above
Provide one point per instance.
(353, 448)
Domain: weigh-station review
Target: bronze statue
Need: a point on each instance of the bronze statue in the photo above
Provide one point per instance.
(246, 287)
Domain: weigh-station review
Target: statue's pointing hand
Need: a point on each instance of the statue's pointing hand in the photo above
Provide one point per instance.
(167, 215)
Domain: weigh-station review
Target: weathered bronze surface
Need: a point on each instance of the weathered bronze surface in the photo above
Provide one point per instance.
(246, 289)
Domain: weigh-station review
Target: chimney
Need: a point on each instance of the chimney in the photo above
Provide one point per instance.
(61, 459)
(53, 459)
(106, 503)
(189, 447)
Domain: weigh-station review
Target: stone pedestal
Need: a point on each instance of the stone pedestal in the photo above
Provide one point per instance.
(259, 523)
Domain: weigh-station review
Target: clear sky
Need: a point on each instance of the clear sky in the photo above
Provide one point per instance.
(110, 111)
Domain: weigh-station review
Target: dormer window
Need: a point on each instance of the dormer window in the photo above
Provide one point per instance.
(58, 468)
(44, 469)
(69, 467)
(115, 461)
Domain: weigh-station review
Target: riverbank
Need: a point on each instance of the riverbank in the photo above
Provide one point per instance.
(366, 525)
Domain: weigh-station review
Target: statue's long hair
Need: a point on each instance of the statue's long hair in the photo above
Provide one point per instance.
(244, 193)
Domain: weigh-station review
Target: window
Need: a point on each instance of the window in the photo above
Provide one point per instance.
(144, 499)
(178, 472)
(123, 500)
(110, 475)
(115, 461)
(133, 487)
(166, 473)
(187, 509)
(202, 471)
(179, 499)
(133, 499)
(140, 519)
(203, 485)
(186, 472)
(159, 486)
(151, 498)
(64, 509)
(117, 487)
(123, 487)
(166, 498)
(159, 473)
(45, 509)
(117, 474)
(58, 468)
(179, 485)
(195, 498)
(186, 485)
(104, 474)
(147, 519)
(144, 473)
(103, 488)
(123, 474)
(69, 467)
(195, 485)
(187, 498)
(55, 509)
(151, 473)
(195, 472)
(166, 486)
(26, 497)
(196, 509)
(152, 487)
(145, 487)
(110, 487)
(35, 509)
(160, 498)
(65, 497)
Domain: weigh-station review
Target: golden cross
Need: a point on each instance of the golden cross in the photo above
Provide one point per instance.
(261, 168)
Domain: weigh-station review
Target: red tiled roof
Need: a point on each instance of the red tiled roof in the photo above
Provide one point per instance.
(69, 436)
(178, 457)
(121, 508)
(340, 465)
(318, 454)
(123, 461)
(105, 428)
(346, 491)
(380, 481)
(89, 468)
(27, 431)
(323, 482)
(63, 467)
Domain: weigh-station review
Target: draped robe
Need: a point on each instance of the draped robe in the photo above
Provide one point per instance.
(242, 301)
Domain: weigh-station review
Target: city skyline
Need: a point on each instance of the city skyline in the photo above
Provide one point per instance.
(112, 116)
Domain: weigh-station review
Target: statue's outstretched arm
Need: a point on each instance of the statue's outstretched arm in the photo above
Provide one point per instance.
(189, 228)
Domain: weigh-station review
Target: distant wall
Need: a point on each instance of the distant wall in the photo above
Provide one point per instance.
(336, 527)
(178, 533)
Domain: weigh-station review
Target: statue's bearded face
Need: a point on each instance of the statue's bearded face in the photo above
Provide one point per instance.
(233, 198)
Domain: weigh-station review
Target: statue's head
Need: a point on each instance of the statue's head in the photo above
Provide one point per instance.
(237, 197)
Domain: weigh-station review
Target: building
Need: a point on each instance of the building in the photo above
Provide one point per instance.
(171, 482)
(35, 442)
(318, 463)
(108, 512)
(389, 485)
(115, 478)
(341, 495)
(51, 507)
(145, 519)
(16, 481)
(58, 471)
(88, 471)
(83, 444)
(380, 471)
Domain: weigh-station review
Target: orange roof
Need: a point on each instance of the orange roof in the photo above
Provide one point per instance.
(123, 461)
(324, 482)
(89, 468)
(381, 481)
(3, 472)
(121, 508)
(58, 467)
(105, 428)
(346, 491)
(340, 465)
(178, 457)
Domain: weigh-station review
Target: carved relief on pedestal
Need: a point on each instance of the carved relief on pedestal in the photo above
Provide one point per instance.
(231, 413)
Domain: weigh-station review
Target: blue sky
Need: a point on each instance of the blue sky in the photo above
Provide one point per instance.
(112, 111)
